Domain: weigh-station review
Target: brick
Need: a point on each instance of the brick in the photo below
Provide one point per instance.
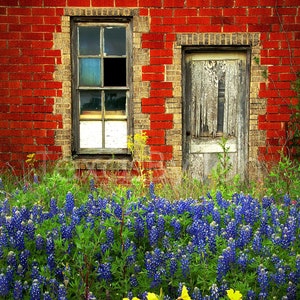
(222, 3)
(153, 101)
(155, 133)
(155, 141)
(30, 2)
(153, 77)
(161, 12)
(161, 53)
(151, 109)
(188, 12)
(161, 85)
(161, 125)
(153, 45)
(153, 69)
(161, 93)
(79, 3)
(55, 3)
(152, 3)
(153, 37)
(161, 117)
(162, 149)
(125, 3)
(173, 3)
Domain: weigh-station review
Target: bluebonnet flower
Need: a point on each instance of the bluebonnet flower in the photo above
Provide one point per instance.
(231, 229)
(287, 200)
(150, 220)
(128, 194)
(109, 236)
(23, 258)
(35, 290)
(39, 242)
(11, 259)
(185, 266)
(152, 190)
(291, 291)
(51, 261)
(279, 277)
(53, 207)
(257, 242)
(62, 293)
(104, 272)
(118, 211)
(173, 266)
(157, 278)
(49, 244)
(35, 178)
(46, 296)
(242, 261)
(250, 295)
(153, 236)
(67, 231)
(91, 296)
(30, 229)
(18, 290)
(133, 281)
(263, 281)
(266, 202)
(196, 294)
(69, 204)
(222, 268)
(175, 223)
(214, 292)
(19, 240)
(245, 235)
(298, 266)
(161, 225)
(9, 276)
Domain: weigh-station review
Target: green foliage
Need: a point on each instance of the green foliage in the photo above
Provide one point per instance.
(284, 178)
(221, 178)
(294, 124)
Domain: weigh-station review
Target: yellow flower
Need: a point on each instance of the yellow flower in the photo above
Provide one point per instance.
(184, 294)
(152, 296)
(234, 295)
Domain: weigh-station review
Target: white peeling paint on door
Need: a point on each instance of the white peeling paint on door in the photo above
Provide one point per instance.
(215, 106)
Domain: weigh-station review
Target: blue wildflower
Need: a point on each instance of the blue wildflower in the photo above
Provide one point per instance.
(39, 242)
(152, 190)
(69, 204)
(214, 292)
(46, 296)
(62, 293)
(104, 272)
(18, 290)
(263, 281)
(109, 236)
(185, 266)
(35, 290)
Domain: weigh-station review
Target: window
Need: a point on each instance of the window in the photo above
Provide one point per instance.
(100, 86)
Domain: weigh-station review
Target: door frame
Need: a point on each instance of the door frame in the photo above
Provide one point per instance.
(244, 136)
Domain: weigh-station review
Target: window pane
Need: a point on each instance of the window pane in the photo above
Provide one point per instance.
(90, 134)
(89, 72)
(90, 102)
(116, 134)
(115, 102)
(114, 41)
(89, 40)
(115, 71)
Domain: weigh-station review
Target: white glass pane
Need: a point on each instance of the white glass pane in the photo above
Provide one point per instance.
(116, 134)
(90, 134)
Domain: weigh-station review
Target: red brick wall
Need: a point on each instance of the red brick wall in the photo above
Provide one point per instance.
(28, 122)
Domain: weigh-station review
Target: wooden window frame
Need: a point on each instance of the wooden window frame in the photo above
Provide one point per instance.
(101, 22)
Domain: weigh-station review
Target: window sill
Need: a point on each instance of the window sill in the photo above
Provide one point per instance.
(109, 163)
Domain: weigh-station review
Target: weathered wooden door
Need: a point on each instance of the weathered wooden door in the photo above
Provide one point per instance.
(215, 106)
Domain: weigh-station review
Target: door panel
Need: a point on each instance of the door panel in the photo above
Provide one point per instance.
(215, 106)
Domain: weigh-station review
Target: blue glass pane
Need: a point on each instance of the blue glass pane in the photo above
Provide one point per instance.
(90, 101)
(89, 72)
(115, 41)
(89, 40)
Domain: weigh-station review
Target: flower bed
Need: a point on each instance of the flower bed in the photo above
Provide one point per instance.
(115, 247)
